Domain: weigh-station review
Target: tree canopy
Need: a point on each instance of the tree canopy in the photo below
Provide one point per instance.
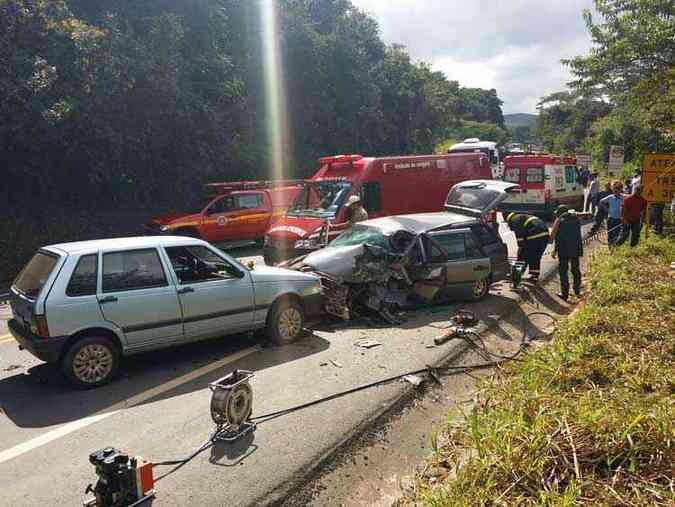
(120, 102)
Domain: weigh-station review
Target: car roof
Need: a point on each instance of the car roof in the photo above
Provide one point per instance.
(123, 243)
(418, 222)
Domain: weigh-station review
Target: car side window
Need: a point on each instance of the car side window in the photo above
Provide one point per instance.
(453, 244)
(83, 280)
(248, 201)
(194, 264)
(472, 248)
(221, 206)
(132, 270)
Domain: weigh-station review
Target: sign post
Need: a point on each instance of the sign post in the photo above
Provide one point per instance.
(657, 180)
(615, 160)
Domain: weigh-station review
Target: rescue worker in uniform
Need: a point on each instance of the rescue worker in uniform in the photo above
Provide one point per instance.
(566, 236)
(532, 236)
(356, 211)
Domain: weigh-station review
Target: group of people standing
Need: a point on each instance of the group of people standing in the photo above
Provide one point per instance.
(624, 212)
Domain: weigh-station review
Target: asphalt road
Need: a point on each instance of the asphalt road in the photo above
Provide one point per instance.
(159, 407)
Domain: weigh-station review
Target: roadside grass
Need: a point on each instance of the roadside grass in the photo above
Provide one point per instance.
(588, 420)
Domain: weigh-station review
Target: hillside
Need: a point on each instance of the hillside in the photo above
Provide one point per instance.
(520, 120)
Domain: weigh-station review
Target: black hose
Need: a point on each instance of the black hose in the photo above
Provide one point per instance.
(446, 370)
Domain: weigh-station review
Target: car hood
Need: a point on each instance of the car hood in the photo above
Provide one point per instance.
(294, 228)
(339, 261)
(266, 274)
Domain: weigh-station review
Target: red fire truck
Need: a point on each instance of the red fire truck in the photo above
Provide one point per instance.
(236, 211)
(545, 181)
(387, 186)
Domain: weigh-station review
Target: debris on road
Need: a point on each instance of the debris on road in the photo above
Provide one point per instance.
(415, 380)
(368, 344)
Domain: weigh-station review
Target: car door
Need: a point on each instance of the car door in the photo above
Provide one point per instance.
(135, 294)
(216, 296)
(457, 252)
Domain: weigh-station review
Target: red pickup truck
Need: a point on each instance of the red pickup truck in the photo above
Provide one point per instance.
(238, 211)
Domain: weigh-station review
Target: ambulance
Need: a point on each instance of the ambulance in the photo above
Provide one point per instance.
(546, 181)
(386, 186)
(475, 145)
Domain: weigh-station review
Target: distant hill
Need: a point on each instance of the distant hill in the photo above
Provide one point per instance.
(520, 119)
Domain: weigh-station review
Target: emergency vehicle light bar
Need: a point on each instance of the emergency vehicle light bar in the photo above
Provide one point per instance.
(340, 159)
(252, 185)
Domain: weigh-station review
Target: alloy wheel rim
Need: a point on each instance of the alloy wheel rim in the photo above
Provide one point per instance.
(92, 363)
(290, 323)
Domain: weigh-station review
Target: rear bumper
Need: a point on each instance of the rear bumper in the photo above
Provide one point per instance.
(46, 349)
(313, 305)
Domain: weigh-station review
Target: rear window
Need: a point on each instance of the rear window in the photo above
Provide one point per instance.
(476, 198)
(33, 277)
(534, 175)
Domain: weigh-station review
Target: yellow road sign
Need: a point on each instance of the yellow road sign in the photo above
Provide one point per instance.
(658, 177)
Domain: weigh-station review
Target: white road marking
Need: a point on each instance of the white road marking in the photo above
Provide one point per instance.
(70, 427)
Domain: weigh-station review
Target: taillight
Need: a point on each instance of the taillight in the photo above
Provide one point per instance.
(42, 327)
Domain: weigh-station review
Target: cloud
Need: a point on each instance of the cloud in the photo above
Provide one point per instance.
(514, 46)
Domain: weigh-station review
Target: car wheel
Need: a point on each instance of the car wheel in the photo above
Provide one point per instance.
(285, 322)
(91, 362)
(479, 289)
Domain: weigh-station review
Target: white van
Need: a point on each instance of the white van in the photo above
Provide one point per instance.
(475, 145)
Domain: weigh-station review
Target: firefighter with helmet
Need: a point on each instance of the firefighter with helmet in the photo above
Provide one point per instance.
(532, 236)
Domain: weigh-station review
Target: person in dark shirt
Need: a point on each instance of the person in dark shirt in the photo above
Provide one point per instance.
(532, 237)
(569, 248)
(632, 212)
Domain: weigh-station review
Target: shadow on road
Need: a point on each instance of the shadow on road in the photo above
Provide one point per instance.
(41, 398)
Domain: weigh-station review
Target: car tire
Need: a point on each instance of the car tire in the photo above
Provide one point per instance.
(480, 289)
(285, 322)
(91, 362)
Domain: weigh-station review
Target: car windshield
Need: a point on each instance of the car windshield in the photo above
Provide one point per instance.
(362, 234)
(35, 274)
(320, 199)
(474, 198)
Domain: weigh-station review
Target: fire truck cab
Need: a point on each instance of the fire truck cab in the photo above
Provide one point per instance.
(387, 186)
(546, 181)
(236, 211)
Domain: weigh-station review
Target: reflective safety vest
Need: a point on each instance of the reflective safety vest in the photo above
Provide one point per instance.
(528, 227)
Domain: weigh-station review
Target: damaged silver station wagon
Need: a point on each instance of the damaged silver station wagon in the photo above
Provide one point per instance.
(387, 263)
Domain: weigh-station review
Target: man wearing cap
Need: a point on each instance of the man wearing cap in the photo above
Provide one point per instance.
(566, 236)
(532, 237)
(356, 211)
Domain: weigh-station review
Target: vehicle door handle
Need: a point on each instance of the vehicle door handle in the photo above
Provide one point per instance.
(108, 299)
(185, 290)
(481, 268)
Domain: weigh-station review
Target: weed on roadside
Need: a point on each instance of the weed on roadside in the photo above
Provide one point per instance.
(589, 420)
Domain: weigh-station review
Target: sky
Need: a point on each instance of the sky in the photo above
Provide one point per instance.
(514, 46)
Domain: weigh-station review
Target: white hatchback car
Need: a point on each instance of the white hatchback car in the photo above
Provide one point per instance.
(84, 305)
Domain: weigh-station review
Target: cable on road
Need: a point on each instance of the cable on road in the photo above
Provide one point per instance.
(471, 337)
